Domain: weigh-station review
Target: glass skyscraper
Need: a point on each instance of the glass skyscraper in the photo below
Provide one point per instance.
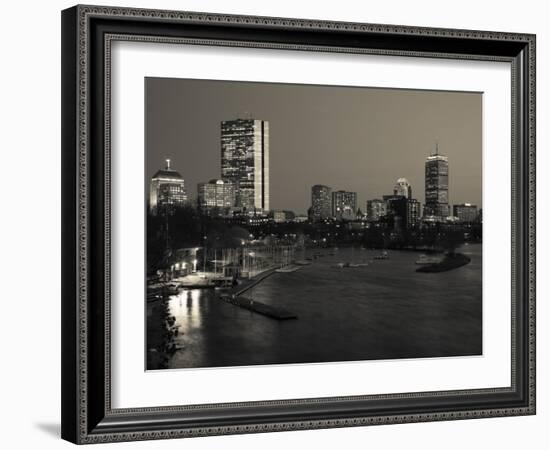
(245, 161)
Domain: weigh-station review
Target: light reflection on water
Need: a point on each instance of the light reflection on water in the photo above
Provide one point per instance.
(385, 310)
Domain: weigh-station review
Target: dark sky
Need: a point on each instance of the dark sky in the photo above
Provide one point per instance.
(351, 138)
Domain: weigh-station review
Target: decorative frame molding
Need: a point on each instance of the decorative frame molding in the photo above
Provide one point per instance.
(87, 34)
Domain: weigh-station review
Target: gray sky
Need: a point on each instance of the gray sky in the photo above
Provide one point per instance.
(357, 139)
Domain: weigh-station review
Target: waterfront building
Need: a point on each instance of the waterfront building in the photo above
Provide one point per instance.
(166, 191)
(344, 205)
(403, 187)
(466, 212)
(320, 202)
(245, 161)
(216, 197)
(376, 209)
(437, 185)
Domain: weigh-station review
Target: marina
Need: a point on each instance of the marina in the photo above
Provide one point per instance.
(384, 311)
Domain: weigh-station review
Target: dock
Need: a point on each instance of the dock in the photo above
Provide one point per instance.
(234, 296)
(249, 284)
(258, 307)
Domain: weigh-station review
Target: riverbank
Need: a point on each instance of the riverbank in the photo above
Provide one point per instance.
(449, 262)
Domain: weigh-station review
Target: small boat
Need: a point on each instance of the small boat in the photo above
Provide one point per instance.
(383, 255)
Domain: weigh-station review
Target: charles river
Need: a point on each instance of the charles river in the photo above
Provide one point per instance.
(385, 310)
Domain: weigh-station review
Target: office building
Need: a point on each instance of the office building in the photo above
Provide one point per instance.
(376, 209)
(321, 201)
(403, 187)
(437, 186)
(405, 211)
(166, 191)
(344, 205)
(466, 212)
(216, 197)
(245, 161)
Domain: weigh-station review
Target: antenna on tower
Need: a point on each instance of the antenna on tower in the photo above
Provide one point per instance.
(437, 147)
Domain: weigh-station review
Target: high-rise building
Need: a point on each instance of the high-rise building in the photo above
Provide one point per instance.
(376, 209)
(414, 213)
(216, 197)
(466, 212)
(406, 211)
(166, 191)
(344, 205)
(245, 161)
(320, 202)
(437, 185)
(403, 187)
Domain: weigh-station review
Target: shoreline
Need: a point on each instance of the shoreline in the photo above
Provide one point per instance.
(448, 263)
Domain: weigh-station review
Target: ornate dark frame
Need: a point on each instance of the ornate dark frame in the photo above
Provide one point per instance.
(87, 32)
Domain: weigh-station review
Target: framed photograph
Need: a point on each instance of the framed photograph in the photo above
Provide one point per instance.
(279, 224)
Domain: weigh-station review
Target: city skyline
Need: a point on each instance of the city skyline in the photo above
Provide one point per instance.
(373, 178)
(227, 196)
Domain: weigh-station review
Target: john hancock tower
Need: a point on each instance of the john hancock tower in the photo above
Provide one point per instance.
(245, 161)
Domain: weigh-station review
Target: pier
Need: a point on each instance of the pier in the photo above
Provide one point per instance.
(234, 297)
(260, 308)
(250, 283)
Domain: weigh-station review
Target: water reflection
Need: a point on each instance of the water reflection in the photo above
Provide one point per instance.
(384, 310)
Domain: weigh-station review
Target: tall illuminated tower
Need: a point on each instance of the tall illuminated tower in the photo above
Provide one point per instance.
(245, 161)
(437, 185)
(166, 191)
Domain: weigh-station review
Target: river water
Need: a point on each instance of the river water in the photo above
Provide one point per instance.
(383, 311)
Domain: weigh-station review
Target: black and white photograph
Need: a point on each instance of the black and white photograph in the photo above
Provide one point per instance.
(295, 223)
